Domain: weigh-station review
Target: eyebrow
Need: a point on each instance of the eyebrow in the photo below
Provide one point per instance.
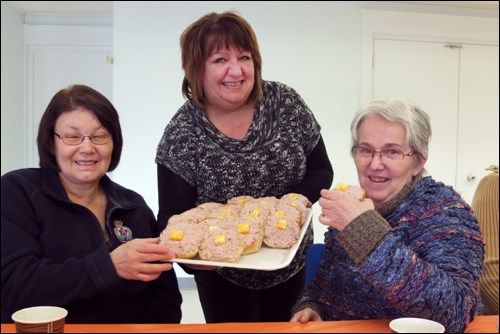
(388, 145)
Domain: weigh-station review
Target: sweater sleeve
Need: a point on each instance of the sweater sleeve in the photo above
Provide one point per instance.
(319, 173)
(175, 195)
(437, 270)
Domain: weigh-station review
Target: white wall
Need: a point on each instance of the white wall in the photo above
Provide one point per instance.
(12, 89)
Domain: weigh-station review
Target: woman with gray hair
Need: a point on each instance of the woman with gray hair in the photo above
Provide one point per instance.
(411, 247)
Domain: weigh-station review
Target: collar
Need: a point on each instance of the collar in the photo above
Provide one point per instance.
(385, 208)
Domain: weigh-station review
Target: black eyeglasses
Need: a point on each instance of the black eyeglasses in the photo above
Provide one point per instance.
(74, 139)
(366, 153)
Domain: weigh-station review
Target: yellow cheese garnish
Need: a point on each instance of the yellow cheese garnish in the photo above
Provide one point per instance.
(280, 213)
(242, 200)
(281, 224)
(213, 227)
(341, 187)
(176, 235)
(243, 228)
(228, 211)
(256, 212)
(220, 239)
(293, 196)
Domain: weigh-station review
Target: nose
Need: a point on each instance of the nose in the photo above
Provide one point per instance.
(87, 145)
(376, 162)
(234, 68)
(375, 153)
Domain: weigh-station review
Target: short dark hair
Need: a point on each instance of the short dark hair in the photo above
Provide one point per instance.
(212, 31)
(67, 100)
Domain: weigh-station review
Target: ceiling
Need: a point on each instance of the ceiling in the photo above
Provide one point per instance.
(83, 8)
(80, 8)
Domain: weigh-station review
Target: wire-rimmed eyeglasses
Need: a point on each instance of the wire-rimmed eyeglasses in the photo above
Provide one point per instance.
(74, 139)
(367, 153)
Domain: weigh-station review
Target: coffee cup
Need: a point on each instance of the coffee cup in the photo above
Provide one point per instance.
(40, 319)
(415, 325)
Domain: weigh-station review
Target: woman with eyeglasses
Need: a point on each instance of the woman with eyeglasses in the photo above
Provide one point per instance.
(411, 248)
(73, 238)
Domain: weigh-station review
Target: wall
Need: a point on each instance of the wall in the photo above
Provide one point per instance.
(12, 89)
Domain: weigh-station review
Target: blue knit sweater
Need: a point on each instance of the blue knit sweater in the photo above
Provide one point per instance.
(418, 255)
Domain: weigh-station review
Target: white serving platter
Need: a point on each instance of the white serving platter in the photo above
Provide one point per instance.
(265, 259)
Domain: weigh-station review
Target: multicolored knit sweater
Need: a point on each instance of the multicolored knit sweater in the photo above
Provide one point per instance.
(418, 255)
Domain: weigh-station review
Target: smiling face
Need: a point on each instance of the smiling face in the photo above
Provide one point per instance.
(228, 79)
(86, 163)
(381, 178)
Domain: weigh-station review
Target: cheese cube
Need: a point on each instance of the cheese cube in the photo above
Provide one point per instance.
(341, 187)
(243, 228)
(281, 224)
(280, 213)
(228, 211)
(256, 212)
(176, 235)
(220, 239)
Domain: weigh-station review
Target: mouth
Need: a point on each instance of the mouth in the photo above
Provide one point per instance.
(233, 84)
(85, 162)
(378, 179)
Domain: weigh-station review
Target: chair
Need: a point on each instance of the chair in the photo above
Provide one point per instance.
(313, 257)
(485, 206)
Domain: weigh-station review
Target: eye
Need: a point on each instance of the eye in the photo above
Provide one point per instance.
(220, 60)
(364, 150)
(72, 135)
(246, 57)
(100, 136)
(392, 153)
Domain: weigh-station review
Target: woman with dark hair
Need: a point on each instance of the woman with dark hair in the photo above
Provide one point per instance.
(73, 238)
(238, 135)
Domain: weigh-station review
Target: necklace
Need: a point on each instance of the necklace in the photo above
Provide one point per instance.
(103, 223)
(101, 204)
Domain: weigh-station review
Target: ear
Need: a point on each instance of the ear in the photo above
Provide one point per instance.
(419, 166)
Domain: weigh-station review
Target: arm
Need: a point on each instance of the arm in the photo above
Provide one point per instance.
(434, 270)
(45, 259)
(319, 173)
(175, 195)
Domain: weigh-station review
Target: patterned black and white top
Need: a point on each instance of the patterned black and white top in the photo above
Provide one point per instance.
(269, 161)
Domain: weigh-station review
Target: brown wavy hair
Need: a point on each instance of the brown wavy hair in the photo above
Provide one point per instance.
(202, 37)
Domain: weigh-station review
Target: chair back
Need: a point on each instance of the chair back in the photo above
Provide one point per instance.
(313, 257)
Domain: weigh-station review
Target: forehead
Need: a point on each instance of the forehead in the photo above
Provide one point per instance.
(376, 129)
(78, 118)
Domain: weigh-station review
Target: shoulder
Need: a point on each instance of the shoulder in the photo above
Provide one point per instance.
(437, 201)
(277, 88)
(436, 191)
(24, 176)
(185, 125)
